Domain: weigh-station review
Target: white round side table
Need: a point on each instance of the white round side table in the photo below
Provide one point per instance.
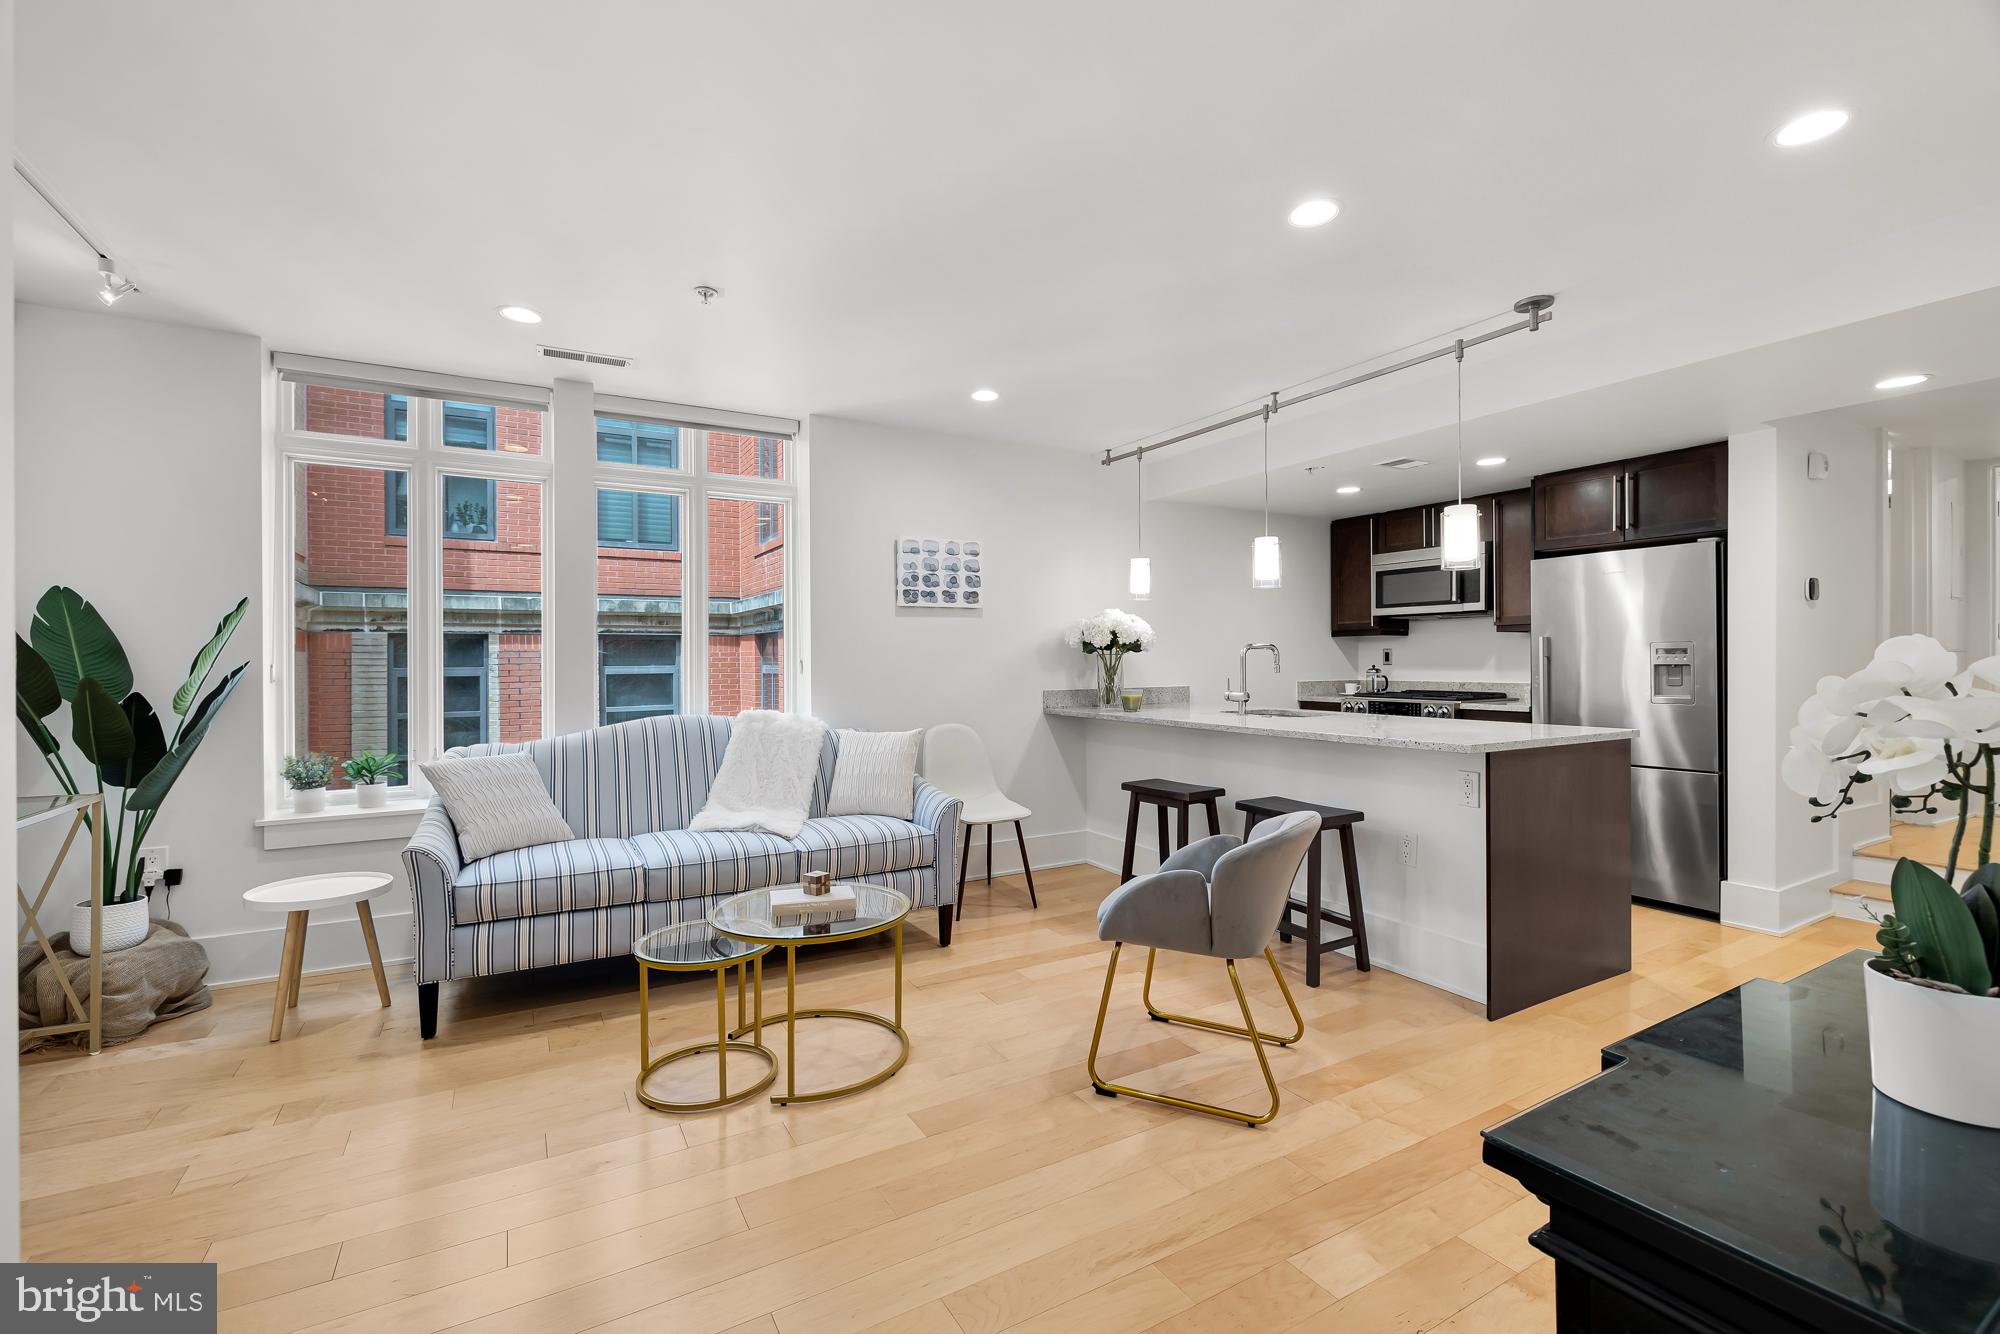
(298, 897)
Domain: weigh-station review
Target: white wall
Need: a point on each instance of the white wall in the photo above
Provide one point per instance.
(1057, 530)
(1784, 529)
(142, 489)
(10, 1071)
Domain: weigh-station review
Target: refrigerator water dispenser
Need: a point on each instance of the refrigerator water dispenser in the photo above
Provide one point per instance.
(1673, 672)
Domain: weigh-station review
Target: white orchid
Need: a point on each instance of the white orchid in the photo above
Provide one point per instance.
(1910, 719)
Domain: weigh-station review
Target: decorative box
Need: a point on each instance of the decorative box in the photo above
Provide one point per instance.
(792, 906)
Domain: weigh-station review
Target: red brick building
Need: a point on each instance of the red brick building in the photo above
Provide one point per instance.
(351, 580)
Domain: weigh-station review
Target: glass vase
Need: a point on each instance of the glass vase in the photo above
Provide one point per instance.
(1111, 672)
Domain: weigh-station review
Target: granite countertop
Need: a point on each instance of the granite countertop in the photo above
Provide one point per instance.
(1457, 736)
(1750, 1123)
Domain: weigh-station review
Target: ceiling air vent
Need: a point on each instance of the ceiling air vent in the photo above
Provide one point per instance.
(588, 358)
(1404, 463)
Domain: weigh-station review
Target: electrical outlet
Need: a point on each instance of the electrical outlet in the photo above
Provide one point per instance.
(152, 865)
(1468, 788)
(1406, 847)
(1388, 656)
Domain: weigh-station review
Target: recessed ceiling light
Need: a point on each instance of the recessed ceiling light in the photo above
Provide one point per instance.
(1810, 128)
(521, 314)
(1490, 461)
(1901, 381)
(985, 395)
(1346, 490)
(1315, 213)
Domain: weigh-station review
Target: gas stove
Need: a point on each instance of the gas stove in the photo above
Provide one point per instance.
(1418, 703)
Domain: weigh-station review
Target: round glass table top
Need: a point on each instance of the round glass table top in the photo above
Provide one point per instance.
(748, 915)
(693, 945)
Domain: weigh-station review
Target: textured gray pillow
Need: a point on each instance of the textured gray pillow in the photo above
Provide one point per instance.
(875, 773)
(497, 803)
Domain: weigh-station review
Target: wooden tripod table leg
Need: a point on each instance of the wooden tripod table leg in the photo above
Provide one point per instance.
(294, 944)
(374, 951)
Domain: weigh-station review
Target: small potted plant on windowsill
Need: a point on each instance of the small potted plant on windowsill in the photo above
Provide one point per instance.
(1911, 719)
(370, 772)
(307, 776)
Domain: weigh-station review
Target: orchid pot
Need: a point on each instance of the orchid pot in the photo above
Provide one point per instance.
(123, 925)
(1911, 720)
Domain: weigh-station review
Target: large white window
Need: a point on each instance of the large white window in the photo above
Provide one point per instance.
(422, 552)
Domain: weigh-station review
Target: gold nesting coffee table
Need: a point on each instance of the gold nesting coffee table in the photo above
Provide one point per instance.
(695, 947)
(746, 918)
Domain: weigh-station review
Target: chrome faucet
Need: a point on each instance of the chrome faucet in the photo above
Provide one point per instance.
(1241, 698)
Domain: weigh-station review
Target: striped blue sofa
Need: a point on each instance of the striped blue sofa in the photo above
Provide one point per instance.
(628, 792)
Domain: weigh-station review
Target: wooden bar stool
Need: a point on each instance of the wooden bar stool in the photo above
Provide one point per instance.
(1166, 794)
(1331, 818)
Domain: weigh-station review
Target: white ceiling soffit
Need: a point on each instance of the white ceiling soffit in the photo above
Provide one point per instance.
(901, 203)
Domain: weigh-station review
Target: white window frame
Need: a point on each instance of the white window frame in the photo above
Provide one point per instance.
(696, 486)
(427, 460)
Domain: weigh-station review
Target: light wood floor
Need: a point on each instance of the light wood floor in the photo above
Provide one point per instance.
(1930, 844)
(503, 1177)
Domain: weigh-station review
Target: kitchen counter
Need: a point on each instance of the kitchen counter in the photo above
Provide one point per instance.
(1457, 736)
(1495, 858)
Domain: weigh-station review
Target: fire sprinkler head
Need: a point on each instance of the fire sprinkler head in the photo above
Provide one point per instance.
(709, 294)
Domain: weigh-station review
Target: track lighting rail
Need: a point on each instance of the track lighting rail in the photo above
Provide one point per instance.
(1535, 308)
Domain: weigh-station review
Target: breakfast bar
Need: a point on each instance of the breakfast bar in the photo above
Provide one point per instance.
(1495, 856)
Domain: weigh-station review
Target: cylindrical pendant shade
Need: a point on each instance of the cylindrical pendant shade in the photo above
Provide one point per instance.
(1265, 565)
(1141, 586)
(1458, 546)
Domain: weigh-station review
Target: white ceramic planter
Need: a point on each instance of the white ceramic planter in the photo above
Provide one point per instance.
(306, 800)
(1934, 1050)
(125, 925)
(371, 796)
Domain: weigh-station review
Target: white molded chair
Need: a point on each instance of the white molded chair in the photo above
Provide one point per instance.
(955, 761)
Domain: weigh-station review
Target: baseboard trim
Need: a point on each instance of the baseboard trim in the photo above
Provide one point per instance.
(1779, 912)
(333, 944)
(1046, 851)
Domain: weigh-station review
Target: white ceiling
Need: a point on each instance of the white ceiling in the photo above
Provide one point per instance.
(1081, 205)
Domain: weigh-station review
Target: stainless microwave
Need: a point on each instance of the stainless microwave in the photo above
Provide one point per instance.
(1413, 583)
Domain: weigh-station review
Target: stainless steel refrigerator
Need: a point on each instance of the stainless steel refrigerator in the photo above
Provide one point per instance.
(1634, 639)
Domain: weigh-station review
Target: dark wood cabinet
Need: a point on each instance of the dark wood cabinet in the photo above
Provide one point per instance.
(1353, 581)
(1412, 529)
(1579, 510)
(1511, 519)
(1683, 493)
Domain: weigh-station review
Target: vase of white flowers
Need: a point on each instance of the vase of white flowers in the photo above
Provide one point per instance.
(1914, 721)
(1109, 636)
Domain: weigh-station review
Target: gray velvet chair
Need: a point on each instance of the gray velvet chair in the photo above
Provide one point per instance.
(1220, 898)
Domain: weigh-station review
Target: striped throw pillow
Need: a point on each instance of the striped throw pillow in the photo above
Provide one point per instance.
(875, 773)
(497, 803)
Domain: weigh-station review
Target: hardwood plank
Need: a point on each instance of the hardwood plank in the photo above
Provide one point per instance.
(502, 1178)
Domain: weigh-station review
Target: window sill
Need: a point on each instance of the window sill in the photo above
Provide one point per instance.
(343, 822)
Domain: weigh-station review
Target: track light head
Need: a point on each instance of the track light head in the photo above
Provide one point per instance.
(116, 285)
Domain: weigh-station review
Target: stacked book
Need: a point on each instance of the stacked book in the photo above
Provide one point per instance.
(792, 906)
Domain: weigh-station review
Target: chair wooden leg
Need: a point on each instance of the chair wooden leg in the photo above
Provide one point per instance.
(1131, 838)
(1351, 868)
(989, 854)
(964, 856)
(1181, 827)
(1026, 869)
(1214, 820)
(1166, 847)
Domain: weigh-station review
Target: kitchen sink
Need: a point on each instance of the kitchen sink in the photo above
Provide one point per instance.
(1272, 713)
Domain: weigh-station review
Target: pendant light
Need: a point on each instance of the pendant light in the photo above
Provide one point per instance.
(1458, 536)
(1141, 585)
(1265, 565)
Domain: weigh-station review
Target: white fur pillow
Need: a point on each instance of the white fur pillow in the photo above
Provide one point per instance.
(875, 773)
(497, 803)
(765, 783)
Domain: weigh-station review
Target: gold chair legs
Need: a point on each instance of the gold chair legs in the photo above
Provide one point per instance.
(1249, 1030)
